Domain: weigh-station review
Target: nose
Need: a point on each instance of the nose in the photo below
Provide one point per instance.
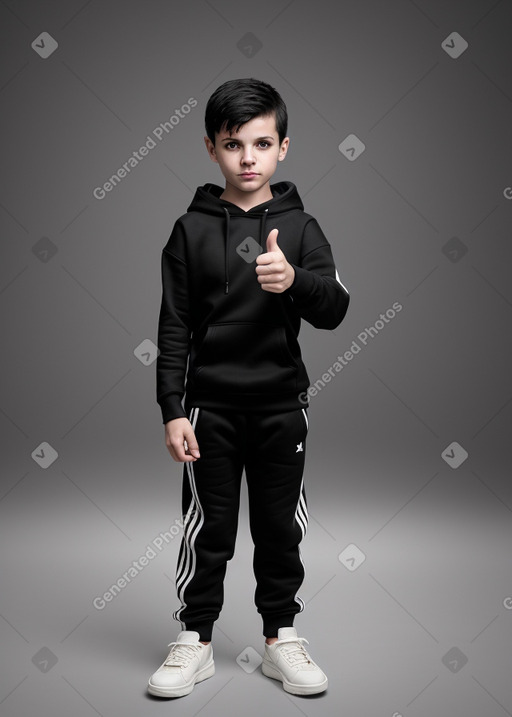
(247, 157)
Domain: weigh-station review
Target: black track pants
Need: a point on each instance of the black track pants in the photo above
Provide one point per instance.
(271, 447)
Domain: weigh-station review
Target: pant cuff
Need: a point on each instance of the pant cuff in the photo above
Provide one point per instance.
(271, 623)
(204, 629)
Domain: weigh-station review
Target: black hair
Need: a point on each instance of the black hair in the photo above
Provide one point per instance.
(238, 101)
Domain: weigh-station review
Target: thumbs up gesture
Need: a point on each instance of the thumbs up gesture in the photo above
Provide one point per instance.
(275, 274)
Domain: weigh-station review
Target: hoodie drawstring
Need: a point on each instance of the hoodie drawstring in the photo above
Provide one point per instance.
(263, 217)
(262, 229)
(226, 240)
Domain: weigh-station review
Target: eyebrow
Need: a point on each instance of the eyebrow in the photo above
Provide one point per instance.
(234, 139)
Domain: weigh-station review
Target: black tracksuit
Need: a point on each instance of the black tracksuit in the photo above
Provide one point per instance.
(230, 349)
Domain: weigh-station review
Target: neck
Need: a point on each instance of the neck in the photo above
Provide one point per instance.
(246, 200)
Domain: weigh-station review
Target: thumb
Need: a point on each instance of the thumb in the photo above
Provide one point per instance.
(272, 240)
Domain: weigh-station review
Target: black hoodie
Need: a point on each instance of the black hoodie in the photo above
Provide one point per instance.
(241, 341)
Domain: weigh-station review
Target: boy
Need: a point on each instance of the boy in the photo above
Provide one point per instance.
(240, 270)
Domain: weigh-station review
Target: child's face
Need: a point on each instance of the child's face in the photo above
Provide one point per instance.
(254, 151)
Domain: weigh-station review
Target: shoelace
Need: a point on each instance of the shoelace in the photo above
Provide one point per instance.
(181, 653)
(294, 651)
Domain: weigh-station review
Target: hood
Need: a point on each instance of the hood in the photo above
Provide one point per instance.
(207, 201)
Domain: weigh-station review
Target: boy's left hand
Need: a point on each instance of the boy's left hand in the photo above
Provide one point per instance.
(275, 274)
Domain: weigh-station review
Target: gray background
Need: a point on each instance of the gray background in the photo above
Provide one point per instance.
(422, 217)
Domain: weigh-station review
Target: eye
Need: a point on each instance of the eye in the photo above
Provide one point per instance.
(267, 144)
(228, 144)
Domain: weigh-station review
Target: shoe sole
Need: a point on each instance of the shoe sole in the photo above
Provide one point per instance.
(273, 672)
(203, 674)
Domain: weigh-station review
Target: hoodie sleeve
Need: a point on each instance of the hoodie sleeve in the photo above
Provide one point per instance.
(173, 328)
(317, 291)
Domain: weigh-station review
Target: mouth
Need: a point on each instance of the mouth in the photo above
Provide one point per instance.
(249, 174)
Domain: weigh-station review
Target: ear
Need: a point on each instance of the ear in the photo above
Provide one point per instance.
(283, 149)
(210, 147)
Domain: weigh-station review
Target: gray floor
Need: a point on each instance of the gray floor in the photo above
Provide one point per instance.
(430, 590)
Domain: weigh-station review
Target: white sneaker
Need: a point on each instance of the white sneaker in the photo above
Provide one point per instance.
(188, 662)
(288, 660)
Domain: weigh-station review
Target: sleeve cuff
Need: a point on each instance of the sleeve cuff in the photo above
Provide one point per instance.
(303, 283)
(171, 407)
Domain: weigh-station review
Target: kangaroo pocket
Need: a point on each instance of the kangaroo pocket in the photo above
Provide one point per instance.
(244, 358)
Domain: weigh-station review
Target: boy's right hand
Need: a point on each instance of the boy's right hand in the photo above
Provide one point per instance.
(181, 441)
